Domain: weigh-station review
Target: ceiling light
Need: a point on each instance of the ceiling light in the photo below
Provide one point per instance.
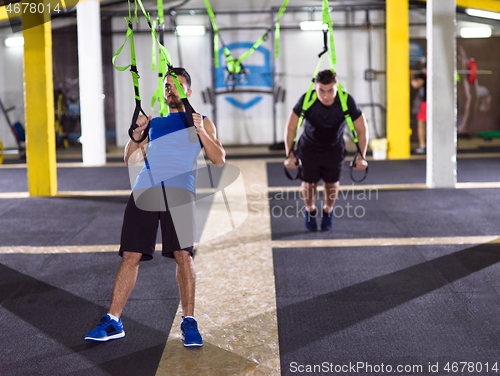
(312, 25)
(475, 32)
(14, 41)
(190, 30)
(482, 13)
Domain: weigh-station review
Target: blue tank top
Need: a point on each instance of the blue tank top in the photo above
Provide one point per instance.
(172, 154)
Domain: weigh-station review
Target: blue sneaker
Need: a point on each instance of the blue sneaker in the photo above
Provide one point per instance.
(310, 220)
(189, 332)
(327, 221)
(106, 330)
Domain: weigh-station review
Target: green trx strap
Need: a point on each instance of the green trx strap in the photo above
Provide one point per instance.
(277, 28)
(216, 32)
(135, 73)
(159, 93)
(235, 66)
(164, 54)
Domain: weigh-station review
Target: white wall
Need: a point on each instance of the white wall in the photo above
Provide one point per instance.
(11, 87)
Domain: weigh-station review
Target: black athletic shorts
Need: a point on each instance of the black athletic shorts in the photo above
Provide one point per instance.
(140, 227)
(321, 165)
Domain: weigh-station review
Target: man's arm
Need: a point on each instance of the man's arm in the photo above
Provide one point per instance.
(362, 132)
(290, 132)
(132, 146)
(208, 136)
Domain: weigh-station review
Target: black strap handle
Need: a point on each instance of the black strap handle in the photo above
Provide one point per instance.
(353, 165)
(133, 125)
(298, 163)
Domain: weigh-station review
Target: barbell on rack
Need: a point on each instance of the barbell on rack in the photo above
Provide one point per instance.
(471, 71)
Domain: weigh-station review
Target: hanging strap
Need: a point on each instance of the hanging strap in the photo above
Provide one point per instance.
(277, 28)
(135, 76)
(158, 95)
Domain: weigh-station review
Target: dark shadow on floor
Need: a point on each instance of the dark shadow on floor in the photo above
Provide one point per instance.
(43, 325)
(323, 315)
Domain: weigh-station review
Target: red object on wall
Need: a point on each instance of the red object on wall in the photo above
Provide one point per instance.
(472, 68)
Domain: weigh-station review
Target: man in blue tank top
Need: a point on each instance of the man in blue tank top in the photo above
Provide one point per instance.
(165, 182)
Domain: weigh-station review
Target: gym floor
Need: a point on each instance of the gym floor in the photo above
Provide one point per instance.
(411, 277)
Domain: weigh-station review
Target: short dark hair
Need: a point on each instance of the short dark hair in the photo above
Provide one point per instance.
(180, 72)
(326, 77)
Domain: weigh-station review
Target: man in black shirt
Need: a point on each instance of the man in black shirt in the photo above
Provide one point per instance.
(321, 147)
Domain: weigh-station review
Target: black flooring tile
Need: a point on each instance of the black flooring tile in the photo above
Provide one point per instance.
(49, 302)
(387, 305)
(382, 214)
(44, 221)
(410, 171)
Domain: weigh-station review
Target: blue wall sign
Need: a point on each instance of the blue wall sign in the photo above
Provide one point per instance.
(257, 77)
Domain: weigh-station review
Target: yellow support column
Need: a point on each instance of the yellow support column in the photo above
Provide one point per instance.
(39, 104)
(398, 79)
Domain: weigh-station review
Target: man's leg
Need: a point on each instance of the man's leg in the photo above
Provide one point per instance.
(310, 213)
(421, 133)
(111, 327)
(124, 282)
(186, 279)
(309, 195)
(330, 193)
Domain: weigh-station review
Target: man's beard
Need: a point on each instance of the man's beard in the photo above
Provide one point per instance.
(173, 104)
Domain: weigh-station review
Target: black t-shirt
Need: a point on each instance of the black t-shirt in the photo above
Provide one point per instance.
(324, 125)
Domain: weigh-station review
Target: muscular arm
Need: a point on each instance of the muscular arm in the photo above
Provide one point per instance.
(208, 136)
(290, 132)
(131, 155)
(362, 132)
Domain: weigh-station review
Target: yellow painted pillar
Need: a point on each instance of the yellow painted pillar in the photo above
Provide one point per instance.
(39, 105)
(398, 79)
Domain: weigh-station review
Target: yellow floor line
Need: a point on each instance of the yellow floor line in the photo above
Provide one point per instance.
(367, 187)
(235, 297)
(14, 194)
(62, 165)
(125, 192)
(369, 242)
(60, 249)
(375, 242)
(390, 187)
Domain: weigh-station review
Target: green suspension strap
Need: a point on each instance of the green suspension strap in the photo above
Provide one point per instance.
(135, 74)
(158, 95)
(164, 56)
(277, 29)
(235, 66)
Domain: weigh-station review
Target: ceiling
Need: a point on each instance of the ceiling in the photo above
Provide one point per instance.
(245, 5)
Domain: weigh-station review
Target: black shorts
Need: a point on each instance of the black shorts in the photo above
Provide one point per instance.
(321, 165)
(140, 227)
